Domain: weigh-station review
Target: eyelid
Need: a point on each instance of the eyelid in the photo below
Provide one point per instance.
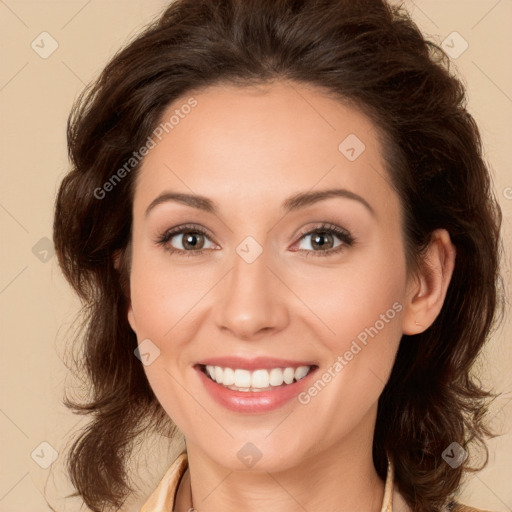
(341, 233)
(347, 240)
(168, 234)
(325, 226)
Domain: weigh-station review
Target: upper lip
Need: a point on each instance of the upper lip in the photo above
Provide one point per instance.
(256, 363)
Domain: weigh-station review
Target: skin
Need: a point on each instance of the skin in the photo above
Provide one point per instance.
(248, 149)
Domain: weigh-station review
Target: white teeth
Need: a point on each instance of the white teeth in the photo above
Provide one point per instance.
(288, 375)
(228, 378)
(276, 376)
(258, 380)
(301, 372)
(211, 371)
(242, 378)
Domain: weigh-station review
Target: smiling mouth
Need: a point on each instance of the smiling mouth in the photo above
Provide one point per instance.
(238, 379)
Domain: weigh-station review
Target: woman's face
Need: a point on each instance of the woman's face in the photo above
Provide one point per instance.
(258, 282)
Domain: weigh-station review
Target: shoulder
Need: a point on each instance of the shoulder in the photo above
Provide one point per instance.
(163, 497)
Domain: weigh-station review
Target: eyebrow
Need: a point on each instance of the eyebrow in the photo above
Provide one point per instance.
(295, 202)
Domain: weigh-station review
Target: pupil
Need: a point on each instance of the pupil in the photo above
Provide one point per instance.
(189, 240)
(317, 238)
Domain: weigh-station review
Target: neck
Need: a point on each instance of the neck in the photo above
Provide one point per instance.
(310, 486)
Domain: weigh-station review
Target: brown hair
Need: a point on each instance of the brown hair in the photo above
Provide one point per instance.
(369, 54)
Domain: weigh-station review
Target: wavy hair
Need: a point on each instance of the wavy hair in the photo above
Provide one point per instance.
(368, 54)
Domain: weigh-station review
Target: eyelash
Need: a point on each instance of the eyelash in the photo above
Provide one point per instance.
(345, 237)
(330, 229)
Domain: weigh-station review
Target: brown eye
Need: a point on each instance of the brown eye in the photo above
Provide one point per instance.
(185, 239)
(193, 240)
(323, 240)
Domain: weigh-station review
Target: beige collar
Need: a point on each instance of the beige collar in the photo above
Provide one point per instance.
(162, 498)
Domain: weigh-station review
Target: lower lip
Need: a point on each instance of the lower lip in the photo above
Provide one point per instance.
(253, 401)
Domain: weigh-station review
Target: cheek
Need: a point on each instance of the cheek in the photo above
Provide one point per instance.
(362, 306)
(372, 301)
(163, 295)
(365, 293)
(162, 302)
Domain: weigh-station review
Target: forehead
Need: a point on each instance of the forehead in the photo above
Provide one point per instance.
(257, 144)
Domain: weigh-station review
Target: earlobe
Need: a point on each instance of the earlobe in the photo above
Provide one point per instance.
(427, 289)
(131, 319)
(120, 260)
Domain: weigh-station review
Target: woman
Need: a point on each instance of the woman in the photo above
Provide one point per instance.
(272, 214)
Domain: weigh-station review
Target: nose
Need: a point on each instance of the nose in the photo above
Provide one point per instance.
(251, 303)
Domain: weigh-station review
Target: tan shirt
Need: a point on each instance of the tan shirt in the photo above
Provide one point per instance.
(162, 498)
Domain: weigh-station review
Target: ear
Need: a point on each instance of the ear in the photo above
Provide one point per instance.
(124, 273)
(426, 290)
(131, 318)
(117, 258)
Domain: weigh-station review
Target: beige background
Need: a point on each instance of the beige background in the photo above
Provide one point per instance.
(37, 306)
